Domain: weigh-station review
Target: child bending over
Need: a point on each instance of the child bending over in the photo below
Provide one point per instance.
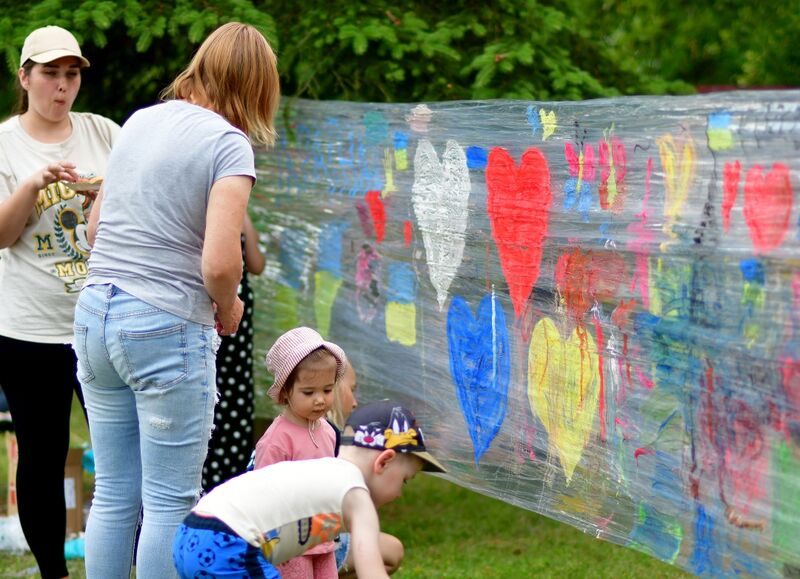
(253, 522)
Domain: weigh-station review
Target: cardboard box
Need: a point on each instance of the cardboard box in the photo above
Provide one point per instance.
(73, 490)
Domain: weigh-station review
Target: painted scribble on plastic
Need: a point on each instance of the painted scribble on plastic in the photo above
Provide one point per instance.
(593, 307)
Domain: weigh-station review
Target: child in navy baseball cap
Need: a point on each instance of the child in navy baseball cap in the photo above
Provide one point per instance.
(388, 425)
(256, 521)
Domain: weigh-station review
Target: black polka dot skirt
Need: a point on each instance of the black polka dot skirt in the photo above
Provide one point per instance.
(232, 437)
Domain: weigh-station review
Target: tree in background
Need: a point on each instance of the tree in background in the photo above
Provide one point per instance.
(136, 47)
(409, 51)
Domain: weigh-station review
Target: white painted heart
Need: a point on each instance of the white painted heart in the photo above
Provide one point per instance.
(440, 196)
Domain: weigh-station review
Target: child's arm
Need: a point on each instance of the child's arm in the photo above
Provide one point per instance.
(361, 520)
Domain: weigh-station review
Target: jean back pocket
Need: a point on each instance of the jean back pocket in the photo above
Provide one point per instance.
(156, 358)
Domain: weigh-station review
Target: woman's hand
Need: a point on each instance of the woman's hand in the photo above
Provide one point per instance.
(58, 171)
(16, 209)
(228, 318)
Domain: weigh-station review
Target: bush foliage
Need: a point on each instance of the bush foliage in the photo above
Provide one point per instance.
(412, 51)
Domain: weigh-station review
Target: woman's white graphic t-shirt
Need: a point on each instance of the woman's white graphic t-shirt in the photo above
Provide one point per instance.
(42, 273)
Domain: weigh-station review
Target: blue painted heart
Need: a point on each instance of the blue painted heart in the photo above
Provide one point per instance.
(480, 367)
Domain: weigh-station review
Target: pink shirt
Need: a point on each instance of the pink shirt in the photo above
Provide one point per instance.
(285, 440)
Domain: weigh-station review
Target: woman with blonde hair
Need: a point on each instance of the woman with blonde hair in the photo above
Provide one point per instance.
(162, 285)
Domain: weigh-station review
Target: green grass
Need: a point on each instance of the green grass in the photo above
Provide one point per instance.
(452, 532)
(449, 531)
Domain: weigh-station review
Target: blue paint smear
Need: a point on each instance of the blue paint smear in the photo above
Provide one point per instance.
(377, 128)
(704, 558)
(480, 369)
(752, 270)
(402, 284)
(655, 533)
(292, 257)
(330, 247)
(534, 121)
(605, 234)
(476, 157)
(720, 120)
(666, 482)
(400, 140)
(582, 200)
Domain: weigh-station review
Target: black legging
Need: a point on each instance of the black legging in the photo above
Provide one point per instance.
(38, 380)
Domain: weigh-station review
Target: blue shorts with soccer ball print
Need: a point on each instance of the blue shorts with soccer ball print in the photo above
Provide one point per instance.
(207, 548)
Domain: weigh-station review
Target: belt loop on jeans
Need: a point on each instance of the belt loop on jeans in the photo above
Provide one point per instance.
(111, 291)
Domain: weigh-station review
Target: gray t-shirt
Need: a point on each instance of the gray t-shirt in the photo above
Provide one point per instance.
(152, 221)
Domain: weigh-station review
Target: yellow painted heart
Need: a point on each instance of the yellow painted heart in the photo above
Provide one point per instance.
(564, 388)
(548, 119)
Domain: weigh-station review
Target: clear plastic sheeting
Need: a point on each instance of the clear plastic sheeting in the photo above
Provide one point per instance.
(593, 307)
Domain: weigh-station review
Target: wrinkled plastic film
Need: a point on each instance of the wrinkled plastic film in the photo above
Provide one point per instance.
(592, 307)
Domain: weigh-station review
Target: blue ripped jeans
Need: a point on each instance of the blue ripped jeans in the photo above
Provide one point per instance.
(148, 379)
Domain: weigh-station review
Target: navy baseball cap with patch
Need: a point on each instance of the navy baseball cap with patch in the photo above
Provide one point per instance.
(388, 425)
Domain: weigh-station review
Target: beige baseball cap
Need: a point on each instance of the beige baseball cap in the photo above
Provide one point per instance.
(49, 43)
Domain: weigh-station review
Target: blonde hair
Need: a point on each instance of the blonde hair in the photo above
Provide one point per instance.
(234, 72)
(336, 413)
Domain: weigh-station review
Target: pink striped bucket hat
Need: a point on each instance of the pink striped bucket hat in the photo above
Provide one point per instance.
(290, 349)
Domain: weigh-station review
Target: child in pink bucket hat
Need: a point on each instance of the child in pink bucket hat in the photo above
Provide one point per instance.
(306, 370)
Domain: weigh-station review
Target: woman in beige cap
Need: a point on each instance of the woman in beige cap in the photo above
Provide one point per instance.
(43, 252)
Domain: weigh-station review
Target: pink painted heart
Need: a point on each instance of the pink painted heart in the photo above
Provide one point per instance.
(518, 205)
(767, 206)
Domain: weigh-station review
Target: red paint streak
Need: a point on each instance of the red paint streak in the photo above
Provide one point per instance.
(709, 427)
(605, 275)
(767, 206)
(583, 278)
(378, 212)
(621, 315)
(646, 450)
(571, 277)
(790, 373)
(745, 458)
(408, 233)
(694, 484)
(730, 184)
(518, 205)
(644, 380)
(602, 396)
(575, 162)
(613, 156)
(623, 426)
(363, 217)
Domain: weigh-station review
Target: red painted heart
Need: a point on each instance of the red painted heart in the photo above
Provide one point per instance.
(767, 206)
(518, 205)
